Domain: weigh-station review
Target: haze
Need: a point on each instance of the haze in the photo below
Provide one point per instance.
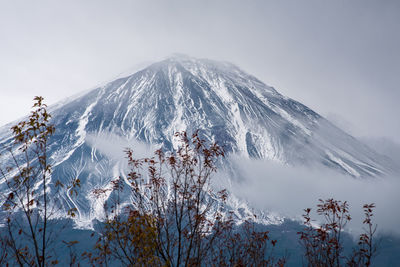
(340, 58)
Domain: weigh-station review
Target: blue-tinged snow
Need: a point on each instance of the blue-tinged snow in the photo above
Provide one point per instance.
(226, 105)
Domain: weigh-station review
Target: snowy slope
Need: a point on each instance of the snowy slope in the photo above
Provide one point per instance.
(227, 105)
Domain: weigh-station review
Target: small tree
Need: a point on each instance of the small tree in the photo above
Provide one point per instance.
(245, 246)
(29, 200)
(323, 245)
(363, 255)
(128, 236)
(175, 218)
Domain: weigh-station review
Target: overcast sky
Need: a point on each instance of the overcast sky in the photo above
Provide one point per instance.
(339, 57)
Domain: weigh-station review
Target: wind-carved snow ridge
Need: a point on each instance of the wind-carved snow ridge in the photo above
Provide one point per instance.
(235, 118)
(281, 112)
(342, 164)
(177, 124)
(80, 132)
(240, 127)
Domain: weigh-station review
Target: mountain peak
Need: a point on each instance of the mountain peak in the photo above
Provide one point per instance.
(228, 106)
(190, 62)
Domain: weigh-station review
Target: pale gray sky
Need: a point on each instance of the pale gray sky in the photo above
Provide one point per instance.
(339, 57)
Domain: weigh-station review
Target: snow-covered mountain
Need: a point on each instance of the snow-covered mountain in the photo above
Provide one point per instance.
(227, 105)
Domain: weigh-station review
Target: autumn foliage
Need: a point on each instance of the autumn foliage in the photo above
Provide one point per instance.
(173, 217)
(179, 219)
(323, 244)
(28, 200)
